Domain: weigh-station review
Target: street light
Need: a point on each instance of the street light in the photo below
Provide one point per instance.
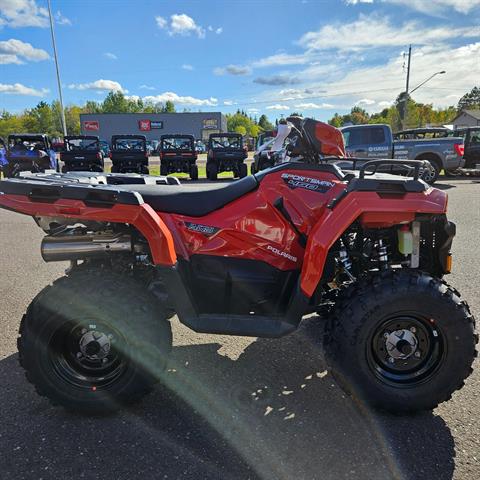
(64, 125)
(427, 80)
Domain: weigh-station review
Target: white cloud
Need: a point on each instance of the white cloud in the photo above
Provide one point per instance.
(278, 106)
(146, 87)
(314, 106)
(99, 85)
(110, 55)
(181, 100)
(228, 102)
(385, 104)
(431, 7)
(180, 24)
(366, 101)
(16, 51)
(253, 110)
(437, 6)
(22, 13)
(61, 20)
(19, 89)
(232, 70)
(219, 30)
(282, 59)
(376, 31)
(187, 66)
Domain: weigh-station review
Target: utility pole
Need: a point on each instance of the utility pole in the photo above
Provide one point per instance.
(407, 87)
(64, 125)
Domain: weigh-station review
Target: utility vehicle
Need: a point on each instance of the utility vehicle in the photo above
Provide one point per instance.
(29, 152)
(128, 154)
(263, 156)
(252, 257)
(178, 154)
(82, 153)
(226, 153)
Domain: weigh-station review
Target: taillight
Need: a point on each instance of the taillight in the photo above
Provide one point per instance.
(99, 156)
(460, 149)
(109, 154)
(211, 154)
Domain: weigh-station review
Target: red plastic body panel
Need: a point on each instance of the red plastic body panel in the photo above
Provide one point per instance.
(251, 227)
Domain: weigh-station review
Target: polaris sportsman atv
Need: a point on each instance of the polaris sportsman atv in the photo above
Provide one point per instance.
(178, 154)
(129, 154)
(226, 153)
(250, 257)
(29, 152)
(82, 153)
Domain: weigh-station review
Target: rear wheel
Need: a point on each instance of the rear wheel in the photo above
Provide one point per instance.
(242, 170)
(401, 341)
(94, 349)
(430, 175)
(252, 169)
(163, 170)
(212, 172)
(194, 172)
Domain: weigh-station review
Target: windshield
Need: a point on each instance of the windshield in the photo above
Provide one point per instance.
(73, 144)
(225, 142)
(177, 143)
(135, 144)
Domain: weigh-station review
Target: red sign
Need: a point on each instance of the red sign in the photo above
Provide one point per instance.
(91, 125)
(144, 125)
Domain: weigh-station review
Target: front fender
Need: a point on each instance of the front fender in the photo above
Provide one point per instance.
(372, 211)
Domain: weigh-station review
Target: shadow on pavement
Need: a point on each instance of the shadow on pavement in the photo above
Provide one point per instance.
(274, 412)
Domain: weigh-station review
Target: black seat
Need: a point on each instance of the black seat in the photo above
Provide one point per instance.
(192, 200)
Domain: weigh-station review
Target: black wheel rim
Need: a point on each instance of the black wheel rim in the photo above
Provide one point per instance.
(405, 350)
(84, 364)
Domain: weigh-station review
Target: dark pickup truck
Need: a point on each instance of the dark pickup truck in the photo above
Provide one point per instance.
(81, 153)
(129, 154)
(376, 142)
(226, 153)
(471, 139)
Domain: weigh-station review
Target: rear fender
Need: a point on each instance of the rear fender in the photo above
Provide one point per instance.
(142, 217)
(373, 212)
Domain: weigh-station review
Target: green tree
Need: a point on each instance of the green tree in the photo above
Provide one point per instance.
(241, 130)
(169, 107)
(264, 123)
(470, 100)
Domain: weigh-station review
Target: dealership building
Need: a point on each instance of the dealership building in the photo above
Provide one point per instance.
(153, 125)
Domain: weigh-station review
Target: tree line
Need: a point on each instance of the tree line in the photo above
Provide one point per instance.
(46, 117)
(407, 113)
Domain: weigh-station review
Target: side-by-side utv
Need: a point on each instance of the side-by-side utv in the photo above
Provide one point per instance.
(129, 154)
(29, 152)
(226, 153)
(82, 153)
(178, 155)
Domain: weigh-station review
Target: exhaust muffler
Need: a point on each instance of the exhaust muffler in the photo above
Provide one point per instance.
(56, 248)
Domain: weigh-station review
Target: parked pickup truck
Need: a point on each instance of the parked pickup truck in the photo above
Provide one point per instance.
(376, 141)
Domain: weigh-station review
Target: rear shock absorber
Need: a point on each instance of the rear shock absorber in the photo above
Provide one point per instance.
(382, 255)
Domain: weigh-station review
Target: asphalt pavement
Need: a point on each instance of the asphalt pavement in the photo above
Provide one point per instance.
(242, 408)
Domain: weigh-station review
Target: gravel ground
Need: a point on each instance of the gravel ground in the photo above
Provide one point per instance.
(243, 408)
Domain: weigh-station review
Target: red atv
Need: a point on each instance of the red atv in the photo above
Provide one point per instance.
(252, 257)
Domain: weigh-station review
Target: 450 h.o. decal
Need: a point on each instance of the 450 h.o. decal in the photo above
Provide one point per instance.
(308, 183)
(205, 229)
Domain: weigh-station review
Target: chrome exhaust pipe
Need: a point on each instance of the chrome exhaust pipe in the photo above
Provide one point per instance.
(57, 248)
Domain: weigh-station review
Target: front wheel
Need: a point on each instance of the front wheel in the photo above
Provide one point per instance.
(94, 349)
(212, 172)
(194, 172)
(401, 341)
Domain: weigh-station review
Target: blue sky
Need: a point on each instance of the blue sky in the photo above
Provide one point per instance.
(273, 57)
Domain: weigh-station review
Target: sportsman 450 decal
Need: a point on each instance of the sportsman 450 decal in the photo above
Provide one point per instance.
(307, 183)
(205, 229)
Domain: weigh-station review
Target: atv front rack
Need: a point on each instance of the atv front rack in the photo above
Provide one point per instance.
(366, 169)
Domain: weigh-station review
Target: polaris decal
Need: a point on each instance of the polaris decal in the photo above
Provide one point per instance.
(307, 183)
(278, 252)
(205, 229)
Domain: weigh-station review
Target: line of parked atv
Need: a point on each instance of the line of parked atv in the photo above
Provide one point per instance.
(128, 154)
